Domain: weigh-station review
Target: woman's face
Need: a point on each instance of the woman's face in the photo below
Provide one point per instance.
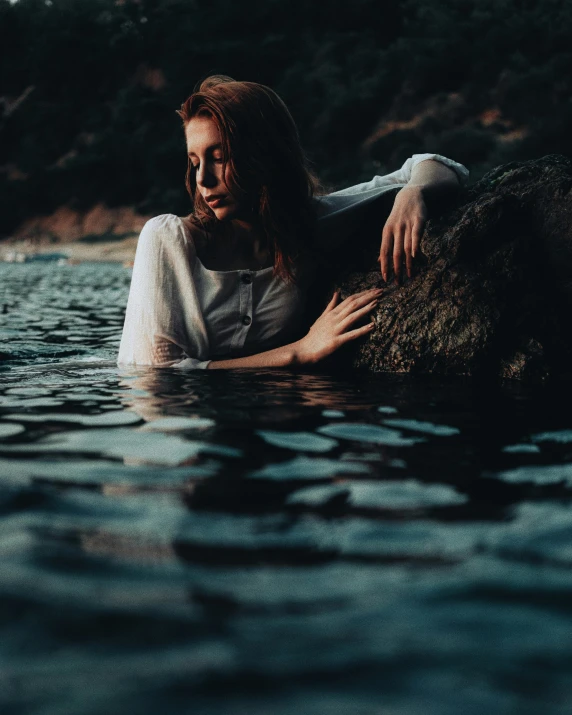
(205, 154)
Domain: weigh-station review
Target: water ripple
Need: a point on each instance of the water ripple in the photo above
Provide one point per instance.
(269, 541)
(369, 433)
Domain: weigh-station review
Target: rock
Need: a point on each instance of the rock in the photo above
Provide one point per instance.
(493, 289)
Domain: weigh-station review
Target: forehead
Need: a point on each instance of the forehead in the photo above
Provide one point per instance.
(201, 133)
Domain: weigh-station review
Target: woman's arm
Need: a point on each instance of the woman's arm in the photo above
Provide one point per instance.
(330, 331)
(430, 181)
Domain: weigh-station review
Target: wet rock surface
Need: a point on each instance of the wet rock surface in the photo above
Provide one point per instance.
(492, 293)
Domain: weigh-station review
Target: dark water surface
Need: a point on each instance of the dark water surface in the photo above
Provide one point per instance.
(269, 543)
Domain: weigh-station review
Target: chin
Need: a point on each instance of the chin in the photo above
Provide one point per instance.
(224, 213)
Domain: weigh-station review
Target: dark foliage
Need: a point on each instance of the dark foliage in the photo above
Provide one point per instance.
(89, 88)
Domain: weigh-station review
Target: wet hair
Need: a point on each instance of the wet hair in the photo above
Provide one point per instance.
(266, 166)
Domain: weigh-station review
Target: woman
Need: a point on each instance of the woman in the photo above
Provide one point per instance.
(225, 287)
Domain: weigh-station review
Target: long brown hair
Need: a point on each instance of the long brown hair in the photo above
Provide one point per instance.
(265, 162)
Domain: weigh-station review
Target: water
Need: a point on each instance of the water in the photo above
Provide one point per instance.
(270, 542)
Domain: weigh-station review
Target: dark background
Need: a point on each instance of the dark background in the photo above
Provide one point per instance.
(89, 88)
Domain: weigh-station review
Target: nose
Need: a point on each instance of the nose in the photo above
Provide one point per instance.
(205, 176)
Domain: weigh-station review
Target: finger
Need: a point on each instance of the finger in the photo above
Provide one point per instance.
(407, 249)
(357, 314)
(398, 254)
(385, 252)
(356, 333)
(350, 300)
(416, 237)
(354, 302)
(332, 302)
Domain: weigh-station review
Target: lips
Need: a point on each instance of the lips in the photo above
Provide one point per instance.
(214, 201)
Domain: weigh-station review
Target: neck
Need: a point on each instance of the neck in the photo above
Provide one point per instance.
(249, 241)
(248, 231)
(247, 224)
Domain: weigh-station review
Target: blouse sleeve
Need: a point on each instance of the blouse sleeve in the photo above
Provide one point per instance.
(342, 213)
(163, 320)
(403, 175)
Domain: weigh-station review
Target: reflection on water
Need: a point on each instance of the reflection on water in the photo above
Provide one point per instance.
(269, 542)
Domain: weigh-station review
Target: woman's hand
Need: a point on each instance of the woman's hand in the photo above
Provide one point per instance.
(332, 330)
(402, 231)
(334, 327)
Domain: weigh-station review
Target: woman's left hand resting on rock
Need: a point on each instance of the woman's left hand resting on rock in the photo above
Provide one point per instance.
(403, 229)
(334, 328)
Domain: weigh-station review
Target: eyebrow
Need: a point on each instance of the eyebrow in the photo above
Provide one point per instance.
(212, 147)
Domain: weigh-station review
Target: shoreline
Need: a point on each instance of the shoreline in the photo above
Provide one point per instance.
(74, 236)
(116, 250)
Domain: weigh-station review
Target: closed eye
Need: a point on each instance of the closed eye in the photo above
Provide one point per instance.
(216, 160)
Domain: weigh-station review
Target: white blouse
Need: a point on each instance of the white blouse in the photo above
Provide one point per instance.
(204, 314)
